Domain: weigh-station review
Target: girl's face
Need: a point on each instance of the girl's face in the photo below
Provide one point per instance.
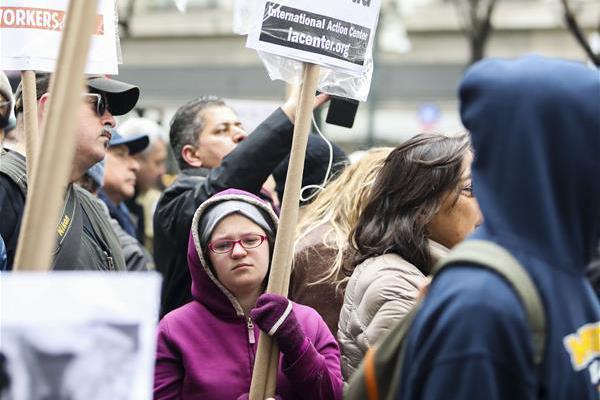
(457, 217)
(241, 269)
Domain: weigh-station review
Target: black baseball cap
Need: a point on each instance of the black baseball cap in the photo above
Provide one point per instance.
(121, 96)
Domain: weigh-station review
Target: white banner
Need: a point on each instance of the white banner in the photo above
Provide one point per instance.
(31, 30)
(79, 335)
(337, 34)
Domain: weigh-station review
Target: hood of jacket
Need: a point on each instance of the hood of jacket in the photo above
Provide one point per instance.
(535, 126)
(206, 288)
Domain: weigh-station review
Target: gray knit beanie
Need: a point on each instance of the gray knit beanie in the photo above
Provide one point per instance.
(215, 214)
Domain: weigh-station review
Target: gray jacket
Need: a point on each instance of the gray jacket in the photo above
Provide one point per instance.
(380, 292)
(136, 256)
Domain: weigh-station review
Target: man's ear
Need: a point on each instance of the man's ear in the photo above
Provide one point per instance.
(43, 104)
(190, 155)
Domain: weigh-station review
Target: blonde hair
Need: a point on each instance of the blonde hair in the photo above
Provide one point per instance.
(338, 207)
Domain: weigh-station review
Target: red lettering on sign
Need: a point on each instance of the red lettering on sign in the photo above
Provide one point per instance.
(39, 18)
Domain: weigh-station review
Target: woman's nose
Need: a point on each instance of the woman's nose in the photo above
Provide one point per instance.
(238, 250)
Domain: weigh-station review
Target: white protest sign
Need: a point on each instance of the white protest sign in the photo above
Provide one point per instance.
(337, 34)
(79, 335)
(31, 30)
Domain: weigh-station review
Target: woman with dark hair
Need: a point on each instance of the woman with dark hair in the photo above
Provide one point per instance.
(206, 348)
(322, 260)
(420, 206)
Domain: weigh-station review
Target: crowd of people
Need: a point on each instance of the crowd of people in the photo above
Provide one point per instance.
(525, 176)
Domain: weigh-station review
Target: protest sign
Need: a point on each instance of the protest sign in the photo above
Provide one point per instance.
(79, 336)
(31, 30)
(337, 34)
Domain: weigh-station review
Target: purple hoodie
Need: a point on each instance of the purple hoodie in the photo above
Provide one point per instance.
(206, 348)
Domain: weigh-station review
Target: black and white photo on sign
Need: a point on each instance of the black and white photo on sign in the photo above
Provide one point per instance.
(95, 360)
(78, 336)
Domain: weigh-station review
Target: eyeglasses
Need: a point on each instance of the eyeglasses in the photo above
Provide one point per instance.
(250, 241)
(100, 103)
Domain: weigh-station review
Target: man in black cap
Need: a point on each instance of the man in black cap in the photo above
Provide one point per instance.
(85, 239)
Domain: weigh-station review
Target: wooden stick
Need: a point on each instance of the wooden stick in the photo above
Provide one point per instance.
(271, 384)
(37, 239)
(30, 120)
(267, 356)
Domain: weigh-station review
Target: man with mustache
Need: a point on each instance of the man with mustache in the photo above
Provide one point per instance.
(85, 240)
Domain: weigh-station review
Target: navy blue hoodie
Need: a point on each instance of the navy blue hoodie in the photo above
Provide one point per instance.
(535, 125)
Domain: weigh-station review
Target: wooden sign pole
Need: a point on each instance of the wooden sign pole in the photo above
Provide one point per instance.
(30, 119)
(267, 356)
(37, 239)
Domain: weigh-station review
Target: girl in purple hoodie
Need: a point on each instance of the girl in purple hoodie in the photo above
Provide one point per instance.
(206, 348)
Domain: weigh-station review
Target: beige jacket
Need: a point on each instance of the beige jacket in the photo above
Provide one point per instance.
(380, 292)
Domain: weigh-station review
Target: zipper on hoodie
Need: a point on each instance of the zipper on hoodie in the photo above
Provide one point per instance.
(111, 264)
(250, 325)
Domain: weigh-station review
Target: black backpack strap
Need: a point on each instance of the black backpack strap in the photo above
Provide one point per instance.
(68, 232)
(13, 166)
(494, 257)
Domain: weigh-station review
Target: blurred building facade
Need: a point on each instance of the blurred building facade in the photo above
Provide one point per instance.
(422, 53)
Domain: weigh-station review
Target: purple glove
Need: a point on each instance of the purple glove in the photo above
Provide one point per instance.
(274, 315)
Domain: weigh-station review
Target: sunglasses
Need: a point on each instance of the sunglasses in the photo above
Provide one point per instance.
(100, 105)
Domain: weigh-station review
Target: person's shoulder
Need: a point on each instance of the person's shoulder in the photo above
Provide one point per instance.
(82, 193)
(7, 178)
(386, 261)
(183, 184)
(7, 184)
(90, 200)
(470, 315)
(313, 253)
(314, 239)
(184, 315)
(384, 271)
(476, 292)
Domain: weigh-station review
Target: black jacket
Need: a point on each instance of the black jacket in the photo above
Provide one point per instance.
(246, 167)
